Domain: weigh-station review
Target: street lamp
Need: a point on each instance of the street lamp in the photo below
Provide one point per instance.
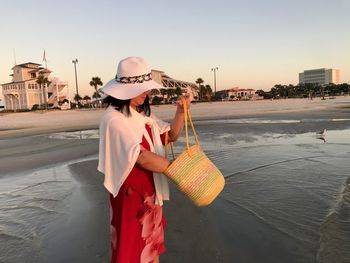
(214, 69)
(75, 61)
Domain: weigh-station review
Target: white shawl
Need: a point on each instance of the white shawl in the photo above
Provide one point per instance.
(120, 138)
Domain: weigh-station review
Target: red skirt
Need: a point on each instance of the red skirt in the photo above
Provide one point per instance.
(137, 224)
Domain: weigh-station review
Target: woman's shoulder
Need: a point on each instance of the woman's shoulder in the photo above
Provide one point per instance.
(112, 116)
(117, 121)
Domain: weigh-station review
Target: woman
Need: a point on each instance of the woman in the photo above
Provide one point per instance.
(131, 156)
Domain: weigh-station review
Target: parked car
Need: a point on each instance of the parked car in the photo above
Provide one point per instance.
(2, 105)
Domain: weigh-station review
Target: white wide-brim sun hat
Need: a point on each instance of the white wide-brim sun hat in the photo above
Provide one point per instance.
(133, 78)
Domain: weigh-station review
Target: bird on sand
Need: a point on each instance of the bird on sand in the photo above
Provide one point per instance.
(322, 133)
(322, 138)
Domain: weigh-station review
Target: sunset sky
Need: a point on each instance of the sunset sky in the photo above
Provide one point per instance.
(256, 44)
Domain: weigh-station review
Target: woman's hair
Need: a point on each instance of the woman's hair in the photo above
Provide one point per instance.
(124, 105)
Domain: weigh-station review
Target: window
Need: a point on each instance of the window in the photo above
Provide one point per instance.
(33, 75)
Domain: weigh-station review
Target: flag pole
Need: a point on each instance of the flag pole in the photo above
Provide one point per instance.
(14, 56)
(44, 59)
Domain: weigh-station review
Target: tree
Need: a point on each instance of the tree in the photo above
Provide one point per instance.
(96, 95)
(260, 92)
(291, 90)
(155, 92)
(208, 91)
(95, 82)
(170, 93)
(163, 92)
(202, 92)
(310, 89)
(86, 97)
(344, 88)
(77, 97)
(178, 91)
(156, 100)
(199, 81)
(42, 81)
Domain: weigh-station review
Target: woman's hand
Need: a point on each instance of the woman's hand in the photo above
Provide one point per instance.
(180, 106)
(178, 122)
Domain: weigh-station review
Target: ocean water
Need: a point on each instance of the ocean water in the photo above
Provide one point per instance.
(295, 182)
(279, 171)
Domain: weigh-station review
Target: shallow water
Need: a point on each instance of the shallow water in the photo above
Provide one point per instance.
(298, 184)
(30, 205)
(82, 135)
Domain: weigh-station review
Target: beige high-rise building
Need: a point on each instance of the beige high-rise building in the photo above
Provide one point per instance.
(24, 91)
(320, 76)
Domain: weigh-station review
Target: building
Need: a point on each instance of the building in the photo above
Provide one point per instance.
(241, 94)
(24, 91)
(170, 83)
(320, 76)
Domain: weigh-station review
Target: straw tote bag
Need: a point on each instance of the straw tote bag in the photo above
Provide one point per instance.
(192, 171)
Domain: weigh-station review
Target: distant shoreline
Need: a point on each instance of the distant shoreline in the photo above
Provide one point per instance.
(14, 125)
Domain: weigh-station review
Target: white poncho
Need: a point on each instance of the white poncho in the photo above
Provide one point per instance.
(120, 138)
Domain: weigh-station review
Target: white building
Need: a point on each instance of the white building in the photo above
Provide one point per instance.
(241, 94)
(170, 83)
(24, 91)
(320, 76)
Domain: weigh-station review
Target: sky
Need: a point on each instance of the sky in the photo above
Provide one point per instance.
(254, 43)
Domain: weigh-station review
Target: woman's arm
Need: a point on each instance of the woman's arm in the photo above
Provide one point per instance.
(152, 162)
(178, 122)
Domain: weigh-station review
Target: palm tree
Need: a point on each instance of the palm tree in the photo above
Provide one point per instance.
(42, 81)
(310, 89)
(202, 92)
(95, 82)
(96, 95)
(208, 90)
(199, 81)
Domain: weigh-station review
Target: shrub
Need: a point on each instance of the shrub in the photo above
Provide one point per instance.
(36, 107)
(157, 100)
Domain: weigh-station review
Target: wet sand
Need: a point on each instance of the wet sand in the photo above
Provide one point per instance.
(221, 232)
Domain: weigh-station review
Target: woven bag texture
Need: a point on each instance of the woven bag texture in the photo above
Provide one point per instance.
(196, 176)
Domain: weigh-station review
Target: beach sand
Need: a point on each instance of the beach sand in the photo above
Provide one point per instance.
(41, 122)
(76, 227)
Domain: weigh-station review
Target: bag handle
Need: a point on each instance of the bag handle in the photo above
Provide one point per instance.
(187, 116)
(166, 146)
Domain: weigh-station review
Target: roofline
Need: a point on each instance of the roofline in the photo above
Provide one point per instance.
(157, 70)
(28, 63)
(17, 82)
(24, 64)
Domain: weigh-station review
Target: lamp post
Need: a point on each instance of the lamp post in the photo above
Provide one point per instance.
(75, 61)
(214, 69)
